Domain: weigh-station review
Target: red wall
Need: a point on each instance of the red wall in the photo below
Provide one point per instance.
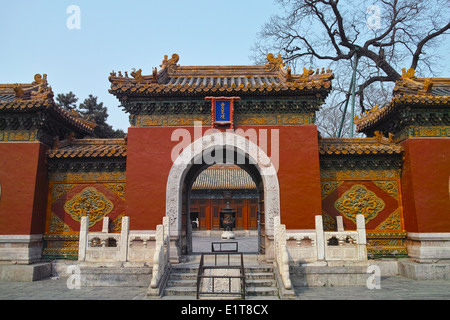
(149, 162)
(425, 185)
(23, 179)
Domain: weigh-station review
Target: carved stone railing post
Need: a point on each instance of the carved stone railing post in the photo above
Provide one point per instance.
(361, 241)
(320, 238)
(340, 224)
(281, 253)
(162, 254)
(123, 246)
(105, 227)
(82, 242)
(166, 224)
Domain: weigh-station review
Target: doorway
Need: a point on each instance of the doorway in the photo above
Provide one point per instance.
(226, 148)
(221, 192)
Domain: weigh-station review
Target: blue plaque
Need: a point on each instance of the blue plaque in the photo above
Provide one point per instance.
(223, 111)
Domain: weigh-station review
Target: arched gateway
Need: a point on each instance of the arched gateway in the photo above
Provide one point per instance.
(63, 176)
(192, 161)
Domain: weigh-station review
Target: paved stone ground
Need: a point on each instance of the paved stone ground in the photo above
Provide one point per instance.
(392, 288)
(245, 244)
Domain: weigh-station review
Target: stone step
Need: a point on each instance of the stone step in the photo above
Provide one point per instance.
(183, 276)
(180, 291)
(115, 277)
(262, 291)
(261, 283)
(259, 269)
(259, 275)
(181, 283)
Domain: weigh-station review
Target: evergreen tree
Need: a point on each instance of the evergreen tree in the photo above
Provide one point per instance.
(91, 110)
(95, 111)
(67, 100)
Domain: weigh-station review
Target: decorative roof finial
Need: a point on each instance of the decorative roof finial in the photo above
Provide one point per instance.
(274, 63)
(170, 64)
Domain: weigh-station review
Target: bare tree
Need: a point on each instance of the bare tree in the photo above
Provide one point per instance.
(385, 36)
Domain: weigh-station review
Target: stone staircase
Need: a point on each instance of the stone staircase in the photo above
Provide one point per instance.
(260, 281)
(182, 281)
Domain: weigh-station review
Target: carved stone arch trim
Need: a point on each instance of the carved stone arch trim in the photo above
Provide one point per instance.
(242, 146)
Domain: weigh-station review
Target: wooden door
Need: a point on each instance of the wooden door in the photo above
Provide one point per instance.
(215, 210)
(252, 216)
(240, 209)
(203, 217)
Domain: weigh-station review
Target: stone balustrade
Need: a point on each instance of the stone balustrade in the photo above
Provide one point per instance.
(295, 248)
(126, 246)
(320, 245)
(161, 260)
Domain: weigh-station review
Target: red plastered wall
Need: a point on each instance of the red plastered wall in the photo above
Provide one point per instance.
(149, 162)
(23, 179)
(425, 185)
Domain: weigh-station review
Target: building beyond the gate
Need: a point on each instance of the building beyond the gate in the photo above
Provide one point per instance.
(398, 177)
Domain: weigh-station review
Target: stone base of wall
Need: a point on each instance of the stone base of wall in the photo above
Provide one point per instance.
(25, 273)
(20, 249)
(105, 274)
(422, 271)
(428, 247)
(327, 274)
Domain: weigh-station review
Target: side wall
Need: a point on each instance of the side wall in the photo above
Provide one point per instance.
(425, 181)
(74, 194)
(23, 179)
(426, 198)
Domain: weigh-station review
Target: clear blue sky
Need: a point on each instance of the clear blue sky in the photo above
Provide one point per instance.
(121, 35)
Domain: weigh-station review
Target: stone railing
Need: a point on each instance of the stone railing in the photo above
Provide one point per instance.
(281, 253)
(161, 260)
(319, 245)
(126, 246)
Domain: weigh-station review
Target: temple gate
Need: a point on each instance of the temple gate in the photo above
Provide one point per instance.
(186, 118)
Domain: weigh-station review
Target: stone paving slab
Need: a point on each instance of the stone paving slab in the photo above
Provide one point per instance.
(392, 288)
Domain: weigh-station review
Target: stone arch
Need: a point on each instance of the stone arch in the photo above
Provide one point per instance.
(225, 140)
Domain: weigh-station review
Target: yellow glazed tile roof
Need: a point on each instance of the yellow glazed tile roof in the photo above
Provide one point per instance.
(411, 91)
(223, 177)
(37, 96)
(89, 148)
(175, 79)
(358, 146)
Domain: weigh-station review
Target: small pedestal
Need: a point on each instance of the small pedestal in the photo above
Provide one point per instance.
(227, 216)
(228, 235)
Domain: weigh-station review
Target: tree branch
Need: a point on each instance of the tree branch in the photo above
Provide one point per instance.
(367, 83)
(423, 42)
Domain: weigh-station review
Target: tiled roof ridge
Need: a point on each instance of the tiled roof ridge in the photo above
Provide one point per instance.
(411, 90)
(358, 146)
(173, 78)
(88, 148)
(39, 95)
(223, 177)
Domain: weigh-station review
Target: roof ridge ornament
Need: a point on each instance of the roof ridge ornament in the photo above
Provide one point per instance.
(410, 84)
(18, 91)
(410, 74)
(137, 75)
(170, 64)
(274, 63)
